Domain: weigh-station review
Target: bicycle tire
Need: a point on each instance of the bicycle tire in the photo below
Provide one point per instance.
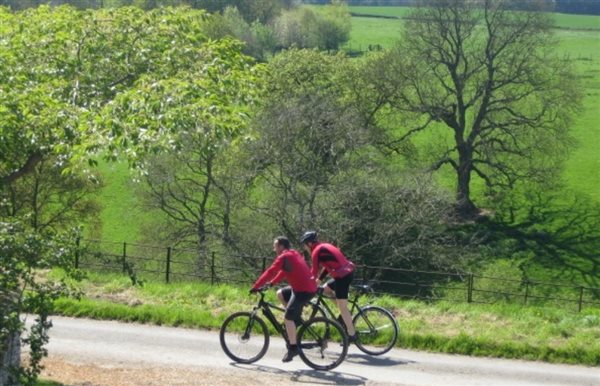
(376, 329)
(322, 343)
(236, 335)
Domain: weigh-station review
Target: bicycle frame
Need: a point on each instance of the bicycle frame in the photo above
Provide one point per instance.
(321, 301)
(267, 310)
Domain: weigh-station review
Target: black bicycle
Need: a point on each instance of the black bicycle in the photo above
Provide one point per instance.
(376, 327)
(244, 336)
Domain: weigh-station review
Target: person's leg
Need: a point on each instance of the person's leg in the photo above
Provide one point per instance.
(293, 313)
(341, 287)
(290, 327)
(284, 294)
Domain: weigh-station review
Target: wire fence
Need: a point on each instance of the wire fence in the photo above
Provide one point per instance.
(170, 264)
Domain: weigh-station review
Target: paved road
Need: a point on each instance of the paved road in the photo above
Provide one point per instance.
(114, 344)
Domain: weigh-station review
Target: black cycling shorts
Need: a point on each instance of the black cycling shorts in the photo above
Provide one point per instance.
(341, 285)
(295, 302)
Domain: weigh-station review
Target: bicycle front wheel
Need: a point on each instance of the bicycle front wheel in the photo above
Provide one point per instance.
(323, 343)
(376, 329)
(244, 337)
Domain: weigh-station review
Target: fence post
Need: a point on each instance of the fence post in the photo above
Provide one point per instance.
(470, 288)
(264, 264)
(526, 290)
(124, 257)
(168, 264)
(77, 244)
(212, 268)
(580, 298)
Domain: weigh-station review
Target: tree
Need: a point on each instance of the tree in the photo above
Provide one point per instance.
(486, 81)
(180, 131)
(61, 69)
(325, 29)
(306, 138)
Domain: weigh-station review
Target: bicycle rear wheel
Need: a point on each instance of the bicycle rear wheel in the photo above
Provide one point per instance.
(323, 343)
(376, 329)
(244, 337)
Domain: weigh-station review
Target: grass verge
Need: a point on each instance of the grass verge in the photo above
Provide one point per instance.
(501, 330)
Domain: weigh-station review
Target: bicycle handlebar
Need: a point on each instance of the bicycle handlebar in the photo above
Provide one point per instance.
(260, 289)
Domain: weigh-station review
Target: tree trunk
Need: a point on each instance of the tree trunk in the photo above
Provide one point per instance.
(465, 208)
(10, 357)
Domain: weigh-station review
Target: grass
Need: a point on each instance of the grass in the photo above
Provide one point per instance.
(501, 330)
(123, 216)
(45, 382)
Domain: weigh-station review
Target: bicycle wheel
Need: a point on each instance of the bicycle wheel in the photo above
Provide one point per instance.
(244, 338)
(376, 329)
(323, 343)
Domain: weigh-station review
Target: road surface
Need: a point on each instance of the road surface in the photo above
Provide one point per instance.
(90, 352)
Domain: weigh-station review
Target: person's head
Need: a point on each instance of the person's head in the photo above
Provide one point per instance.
(309, 239)
(280, 244)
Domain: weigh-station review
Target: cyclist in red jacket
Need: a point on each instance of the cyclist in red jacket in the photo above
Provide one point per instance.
(289, 264)
(341, 270)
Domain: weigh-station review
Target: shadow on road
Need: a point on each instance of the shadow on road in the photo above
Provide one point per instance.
(309, 376)
(365, 359)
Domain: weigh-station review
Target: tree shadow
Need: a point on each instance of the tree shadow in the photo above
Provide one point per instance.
(309, 376)
(370, 360)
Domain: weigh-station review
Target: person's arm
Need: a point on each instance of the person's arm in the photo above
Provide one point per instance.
(314, 269)
(272, 272)
(278, 277)
(323, 274)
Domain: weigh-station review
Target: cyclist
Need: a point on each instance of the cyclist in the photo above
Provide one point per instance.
(289, 264)
(341, 270)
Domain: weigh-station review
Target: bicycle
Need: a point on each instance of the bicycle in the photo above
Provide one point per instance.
(376, 328)
(244, 336)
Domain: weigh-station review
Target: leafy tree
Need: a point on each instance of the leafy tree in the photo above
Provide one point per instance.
(60, 68)
(486, 81)
(180, 129)
(306, 137)
(325, 29)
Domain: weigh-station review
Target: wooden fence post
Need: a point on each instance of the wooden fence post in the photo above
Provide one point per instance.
(77, 244)
(526, 290)
(470, 288)
(168, 264)
(124, 261)
(580, 298)
(212, 269)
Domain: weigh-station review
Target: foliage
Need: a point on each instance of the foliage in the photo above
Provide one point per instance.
(69, 81)
(305, 138)
(305, 28)
(23, 288)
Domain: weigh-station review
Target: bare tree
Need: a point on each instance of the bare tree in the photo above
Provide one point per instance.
(487, 81)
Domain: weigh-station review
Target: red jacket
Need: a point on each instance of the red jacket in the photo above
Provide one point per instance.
(291, 266)
(332, 259)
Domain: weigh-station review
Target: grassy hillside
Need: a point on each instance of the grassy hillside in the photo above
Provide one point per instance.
(123, 216)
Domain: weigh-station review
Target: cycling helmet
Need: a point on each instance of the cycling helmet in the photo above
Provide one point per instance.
(308, 236)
